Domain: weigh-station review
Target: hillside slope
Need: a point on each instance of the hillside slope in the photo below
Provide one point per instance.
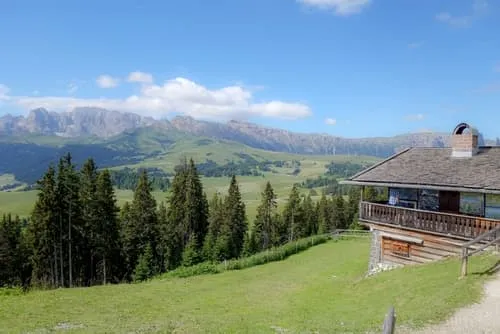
(320, 290)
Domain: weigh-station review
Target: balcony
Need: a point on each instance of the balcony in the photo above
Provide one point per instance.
(435, 222)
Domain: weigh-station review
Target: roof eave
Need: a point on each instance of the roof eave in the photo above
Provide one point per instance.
(422, 186)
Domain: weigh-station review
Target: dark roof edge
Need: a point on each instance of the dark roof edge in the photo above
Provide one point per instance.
(421, 186)
(379, 163)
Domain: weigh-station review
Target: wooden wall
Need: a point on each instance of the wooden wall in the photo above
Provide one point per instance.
(409, 247)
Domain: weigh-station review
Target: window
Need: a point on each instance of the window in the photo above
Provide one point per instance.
(403, 197)
(472, 204)
(492, 206)
(428, 200)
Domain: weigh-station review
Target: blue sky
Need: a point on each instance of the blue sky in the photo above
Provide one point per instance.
(344, 67)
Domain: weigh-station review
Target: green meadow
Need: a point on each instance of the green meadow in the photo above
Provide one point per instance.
(321, 290)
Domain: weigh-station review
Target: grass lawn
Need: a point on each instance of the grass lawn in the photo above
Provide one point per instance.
(320, 290)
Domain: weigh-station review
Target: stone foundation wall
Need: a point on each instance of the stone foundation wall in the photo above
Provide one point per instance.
(375, 251)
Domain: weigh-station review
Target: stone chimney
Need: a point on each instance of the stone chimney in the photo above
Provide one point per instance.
(464, 141)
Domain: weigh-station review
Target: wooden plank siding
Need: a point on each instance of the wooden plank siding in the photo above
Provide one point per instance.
(439, 223)
(426, 247)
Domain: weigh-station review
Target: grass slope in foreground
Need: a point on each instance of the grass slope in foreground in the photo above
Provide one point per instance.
(319, 290)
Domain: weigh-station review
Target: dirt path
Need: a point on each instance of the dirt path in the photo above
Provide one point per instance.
(480, 318)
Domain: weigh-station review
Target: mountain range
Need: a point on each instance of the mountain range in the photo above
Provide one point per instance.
(28, 144)
(106, 124)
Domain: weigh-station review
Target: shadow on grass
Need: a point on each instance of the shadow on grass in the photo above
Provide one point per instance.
(488, 272)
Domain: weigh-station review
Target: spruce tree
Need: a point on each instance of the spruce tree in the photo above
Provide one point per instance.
(90, 217)
(352, 206)
(174, 234)
(70, 222)
(163, 235)
(142, 228)
(13, 253)
(339, 213)
(310, 217)
(107, 230)
(250, 246)
(195, 219)
(324, 215)
(293, 218)
(236, 219)
(266, 225)
(145, 265)
(44, 235)
(191, 253)
(216, 220)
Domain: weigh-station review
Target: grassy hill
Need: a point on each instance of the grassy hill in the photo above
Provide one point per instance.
(170, 154)
(320, 290)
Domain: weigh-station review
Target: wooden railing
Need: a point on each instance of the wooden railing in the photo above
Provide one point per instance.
(485, 240)
(438, 222)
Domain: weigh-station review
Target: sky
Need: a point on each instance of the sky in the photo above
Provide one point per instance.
(351, 68)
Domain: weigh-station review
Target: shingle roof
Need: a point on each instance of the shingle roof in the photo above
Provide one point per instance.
(436, 167)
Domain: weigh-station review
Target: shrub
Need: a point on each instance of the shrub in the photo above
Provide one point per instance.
(198, 269)
(270, 255)
(14, 291)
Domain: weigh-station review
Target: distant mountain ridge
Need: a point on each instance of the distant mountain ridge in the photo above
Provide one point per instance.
(77, 123)
(109, 125)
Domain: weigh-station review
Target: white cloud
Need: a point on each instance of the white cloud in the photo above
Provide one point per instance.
(141, 77)
(340, 7)
(330, 121)
(4, 91)
(456, 21)
(415, 117)
(72, 88)
(179, 95)
(107, 81)
(496, 68)
(415, 45)
(479, 7)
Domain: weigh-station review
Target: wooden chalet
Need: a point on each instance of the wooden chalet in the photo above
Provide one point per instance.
(438, 200)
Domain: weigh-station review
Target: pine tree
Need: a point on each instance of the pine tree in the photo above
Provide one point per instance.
(216, 219)
(324, 215)
(195, 220)
(293, 218)
(13, 253)
(236, 219)
(142, 227)
(107, 229)
(310, 217)
(70, 222)
(44, 235)
(163, 235)
(126, 226)
(250, 246)
(266, 226)
(145, 265)
(90, 217)
(175, 230)
(352, 207)
(339, 213)
(191, 254)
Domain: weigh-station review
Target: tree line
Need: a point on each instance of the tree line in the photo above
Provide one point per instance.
(77, 235)
(128, 178)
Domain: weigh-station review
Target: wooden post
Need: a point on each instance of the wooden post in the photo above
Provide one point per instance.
(465, 258)
(389, 322)
(496, 243)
